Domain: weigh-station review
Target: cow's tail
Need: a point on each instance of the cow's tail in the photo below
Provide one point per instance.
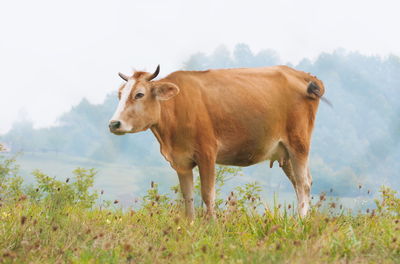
(316, 90)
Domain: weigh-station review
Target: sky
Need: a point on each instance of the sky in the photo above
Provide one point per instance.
(54, 53)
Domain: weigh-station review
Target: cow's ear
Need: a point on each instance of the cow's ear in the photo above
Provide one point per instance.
(165, 90)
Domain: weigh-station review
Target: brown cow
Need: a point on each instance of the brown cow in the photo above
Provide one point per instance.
(230, 116)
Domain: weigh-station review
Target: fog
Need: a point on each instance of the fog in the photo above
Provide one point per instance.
(53, 53)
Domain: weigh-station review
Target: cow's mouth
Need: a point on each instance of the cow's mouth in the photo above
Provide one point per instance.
(118, 133)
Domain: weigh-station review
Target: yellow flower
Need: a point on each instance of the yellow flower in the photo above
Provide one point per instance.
(6, 215)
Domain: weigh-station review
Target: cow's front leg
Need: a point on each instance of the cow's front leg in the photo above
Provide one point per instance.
(186, 183)
(207, 178)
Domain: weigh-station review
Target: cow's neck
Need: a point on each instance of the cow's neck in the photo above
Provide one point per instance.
(163, 133)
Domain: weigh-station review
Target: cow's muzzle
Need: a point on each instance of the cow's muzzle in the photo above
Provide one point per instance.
(114, 125)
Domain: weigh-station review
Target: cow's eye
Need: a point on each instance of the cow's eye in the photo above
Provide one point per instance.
(139, 95)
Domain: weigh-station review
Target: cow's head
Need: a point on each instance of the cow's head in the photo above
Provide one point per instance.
(139, 102)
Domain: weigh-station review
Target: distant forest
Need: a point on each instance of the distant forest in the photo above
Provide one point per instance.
(356, 141)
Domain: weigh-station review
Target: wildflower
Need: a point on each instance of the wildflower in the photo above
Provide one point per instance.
(107, 246)
(22, 197)
(37, 245)
(204, 249)
(6, 215)
(274, 228)
(372, 245)
(10, 254)
(127, 247)
(373, 213)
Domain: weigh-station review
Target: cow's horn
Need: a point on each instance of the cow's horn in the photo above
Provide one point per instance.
(154, 75)
(123, 76)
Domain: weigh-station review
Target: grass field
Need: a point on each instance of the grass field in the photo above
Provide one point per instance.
(39, 233)
(65, 221)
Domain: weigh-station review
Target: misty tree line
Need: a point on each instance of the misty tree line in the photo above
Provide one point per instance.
(356, 141)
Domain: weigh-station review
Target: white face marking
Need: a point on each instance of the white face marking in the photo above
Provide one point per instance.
(126, 91)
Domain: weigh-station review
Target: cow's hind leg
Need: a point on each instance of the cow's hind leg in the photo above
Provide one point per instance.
(296, 169)
(303, 184)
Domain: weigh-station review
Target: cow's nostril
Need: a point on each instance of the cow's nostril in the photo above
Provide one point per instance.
(114, 125)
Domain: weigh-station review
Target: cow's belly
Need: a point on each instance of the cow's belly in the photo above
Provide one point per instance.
(249, 153)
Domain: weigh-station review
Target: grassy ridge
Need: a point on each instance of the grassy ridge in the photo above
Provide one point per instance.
(53, 221)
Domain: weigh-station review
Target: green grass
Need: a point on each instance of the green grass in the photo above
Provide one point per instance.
(41, 232)
(53, 221)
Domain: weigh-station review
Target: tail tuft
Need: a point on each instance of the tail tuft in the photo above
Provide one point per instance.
(315, 92)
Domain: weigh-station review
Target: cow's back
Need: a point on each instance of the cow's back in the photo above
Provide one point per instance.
(245, 113)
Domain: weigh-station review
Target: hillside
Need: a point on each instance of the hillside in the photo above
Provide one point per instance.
(355, 142)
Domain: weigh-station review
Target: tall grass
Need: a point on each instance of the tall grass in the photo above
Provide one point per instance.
(55, 221)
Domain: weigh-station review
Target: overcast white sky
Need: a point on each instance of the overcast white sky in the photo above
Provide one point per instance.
(53, 53)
